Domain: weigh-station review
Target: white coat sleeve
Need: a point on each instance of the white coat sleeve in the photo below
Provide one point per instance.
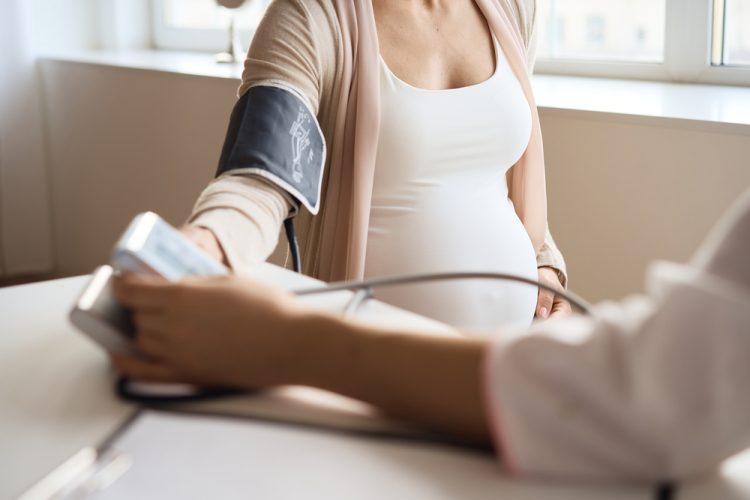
(650, 389)
(653, 388)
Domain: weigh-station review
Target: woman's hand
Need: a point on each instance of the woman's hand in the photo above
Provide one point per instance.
(206, 240)
(550, 304)
(224, 331)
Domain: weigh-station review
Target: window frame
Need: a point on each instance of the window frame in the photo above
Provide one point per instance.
(167, 37)
(688, 49)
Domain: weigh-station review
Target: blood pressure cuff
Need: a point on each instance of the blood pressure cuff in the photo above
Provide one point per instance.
(274, 134)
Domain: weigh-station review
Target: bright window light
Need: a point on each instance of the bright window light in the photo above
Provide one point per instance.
(603, 30)
(732, 32)
(207, 14)
(699, 41)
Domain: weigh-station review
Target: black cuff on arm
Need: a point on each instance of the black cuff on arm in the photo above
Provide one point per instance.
(274, 134)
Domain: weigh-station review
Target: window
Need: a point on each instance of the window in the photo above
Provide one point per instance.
(602, 30)
(703, 41)
(206, 14)
(203, 24)
(731, 41)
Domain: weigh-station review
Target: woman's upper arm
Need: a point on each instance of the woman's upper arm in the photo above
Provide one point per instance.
(292, 46)
(290, 51)
(274, 131)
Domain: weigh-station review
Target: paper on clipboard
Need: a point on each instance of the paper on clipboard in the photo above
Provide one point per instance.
(189, 456)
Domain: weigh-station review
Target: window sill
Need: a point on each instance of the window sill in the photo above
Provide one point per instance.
(714, 107)
(182, 63)
(674, 104)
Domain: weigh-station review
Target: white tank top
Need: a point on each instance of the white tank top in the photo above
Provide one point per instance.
(440, 198)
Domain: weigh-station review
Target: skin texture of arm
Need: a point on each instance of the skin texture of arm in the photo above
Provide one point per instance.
(267, 338)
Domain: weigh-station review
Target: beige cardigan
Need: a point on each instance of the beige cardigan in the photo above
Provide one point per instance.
(327, 50)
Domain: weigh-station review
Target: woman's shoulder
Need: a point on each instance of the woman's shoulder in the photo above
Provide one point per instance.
(295, 43)
(314, 21)
(321, 11)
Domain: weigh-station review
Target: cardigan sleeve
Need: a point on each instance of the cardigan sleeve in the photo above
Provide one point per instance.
(245, 214)
(652, 388)
(525, 12)
(292, 48)
(549, 254)
(293, 45)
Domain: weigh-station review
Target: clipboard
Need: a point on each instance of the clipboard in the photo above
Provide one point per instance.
(93, 469)
(181, 455)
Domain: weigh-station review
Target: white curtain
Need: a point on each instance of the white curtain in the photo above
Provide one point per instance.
(25, 220)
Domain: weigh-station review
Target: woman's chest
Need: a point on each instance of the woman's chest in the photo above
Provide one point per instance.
(435, 48)
(479, 130)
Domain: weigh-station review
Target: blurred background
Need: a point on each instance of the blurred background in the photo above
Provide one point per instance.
(112, 107)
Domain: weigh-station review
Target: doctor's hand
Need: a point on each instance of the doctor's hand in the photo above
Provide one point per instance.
(224, 331)
(206, 240)
(550, 304)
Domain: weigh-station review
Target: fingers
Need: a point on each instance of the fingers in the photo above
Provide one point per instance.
(560, 307)
(150, 321)
(152, 334)
(548, 302)
(152, 344)
(544, 303)
(138, 369)
(142, 292)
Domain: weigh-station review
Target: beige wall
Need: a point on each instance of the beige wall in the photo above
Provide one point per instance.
(622, 192)
(125, 141)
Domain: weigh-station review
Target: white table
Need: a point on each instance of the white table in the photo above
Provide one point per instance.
(56, 397)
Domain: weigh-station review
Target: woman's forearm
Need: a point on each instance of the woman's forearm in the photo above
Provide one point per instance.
(432, 381)
(244, 214)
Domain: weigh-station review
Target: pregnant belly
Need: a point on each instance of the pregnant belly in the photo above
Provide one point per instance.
(450, 228)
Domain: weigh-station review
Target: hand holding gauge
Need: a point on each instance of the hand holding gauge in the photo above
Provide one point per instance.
(148, 246)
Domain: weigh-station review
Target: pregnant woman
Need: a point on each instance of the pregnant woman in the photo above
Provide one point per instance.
(410, 131)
